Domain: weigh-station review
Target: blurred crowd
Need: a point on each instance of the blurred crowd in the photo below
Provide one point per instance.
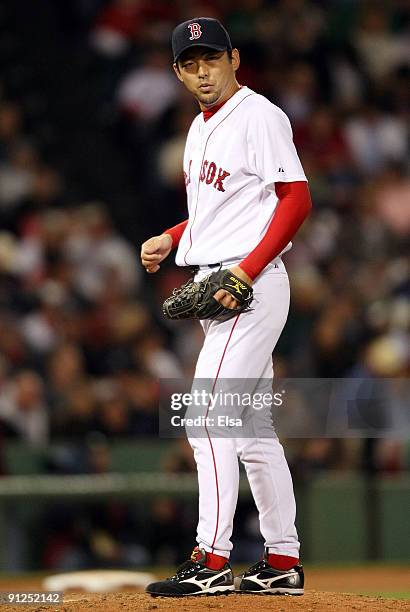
(92, 130)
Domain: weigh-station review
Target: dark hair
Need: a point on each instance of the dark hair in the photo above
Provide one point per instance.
(229, 52)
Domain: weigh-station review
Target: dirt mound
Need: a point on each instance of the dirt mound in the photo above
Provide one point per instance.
(330, 591)
(312, 601)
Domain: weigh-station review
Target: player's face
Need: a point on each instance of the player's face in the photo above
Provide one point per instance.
(208, 74)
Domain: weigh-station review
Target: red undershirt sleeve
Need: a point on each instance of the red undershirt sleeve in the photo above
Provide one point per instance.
(292, 209)
(176, 232)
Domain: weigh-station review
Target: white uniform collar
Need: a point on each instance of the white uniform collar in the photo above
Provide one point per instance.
(229, 105)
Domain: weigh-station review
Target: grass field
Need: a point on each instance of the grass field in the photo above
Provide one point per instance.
(386, 594)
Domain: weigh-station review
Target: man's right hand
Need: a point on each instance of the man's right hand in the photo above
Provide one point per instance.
(155, 250)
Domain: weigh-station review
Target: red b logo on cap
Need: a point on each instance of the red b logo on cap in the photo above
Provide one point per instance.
(196, 31)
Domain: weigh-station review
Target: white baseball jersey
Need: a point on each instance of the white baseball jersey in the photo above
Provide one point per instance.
(231, 164)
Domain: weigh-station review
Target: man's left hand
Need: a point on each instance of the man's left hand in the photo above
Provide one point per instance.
(223, 297)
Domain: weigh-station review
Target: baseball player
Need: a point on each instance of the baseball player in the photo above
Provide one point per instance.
(247, 196)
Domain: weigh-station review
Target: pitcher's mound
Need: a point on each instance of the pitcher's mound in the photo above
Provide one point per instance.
(312, 601)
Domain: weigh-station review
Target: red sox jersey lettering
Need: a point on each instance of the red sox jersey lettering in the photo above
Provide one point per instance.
(208, 173)
(187, 176)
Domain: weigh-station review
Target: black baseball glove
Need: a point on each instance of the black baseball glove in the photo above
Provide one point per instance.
(194, 300)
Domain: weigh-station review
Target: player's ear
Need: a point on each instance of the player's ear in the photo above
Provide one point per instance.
(177, 72)
(236, 60)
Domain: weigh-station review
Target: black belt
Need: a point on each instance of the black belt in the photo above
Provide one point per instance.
(196, 269)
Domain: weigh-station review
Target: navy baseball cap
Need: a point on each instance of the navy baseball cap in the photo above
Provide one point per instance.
(199, 32)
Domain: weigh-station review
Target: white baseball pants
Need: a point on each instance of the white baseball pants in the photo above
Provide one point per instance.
(242, 349)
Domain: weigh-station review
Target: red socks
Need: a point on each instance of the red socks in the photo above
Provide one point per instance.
(215, 562)
(281, 562)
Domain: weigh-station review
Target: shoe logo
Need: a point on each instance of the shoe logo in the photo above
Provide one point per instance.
(206, 583)
(267, 582)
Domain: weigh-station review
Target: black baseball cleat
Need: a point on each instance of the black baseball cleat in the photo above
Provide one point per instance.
(194, 578)
(262, 578)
